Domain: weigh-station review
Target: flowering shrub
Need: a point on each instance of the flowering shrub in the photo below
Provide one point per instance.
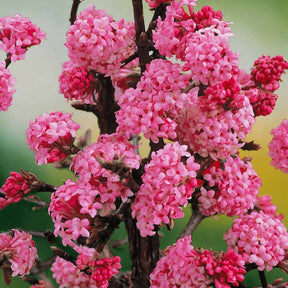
(178, 85)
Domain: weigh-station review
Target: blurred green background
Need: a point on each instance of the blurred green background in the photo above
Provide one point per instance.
(260, 28)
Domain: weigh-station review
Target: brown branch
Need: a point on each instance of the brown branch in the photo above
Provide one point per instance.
(117, 166)
(195, 219)
(144, 253)
(106, 104)
(8, 60)
(73, 13)
(141, 36)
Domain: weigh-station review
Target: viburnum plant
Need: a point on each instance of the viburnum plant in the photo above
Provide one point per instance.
(177, 84)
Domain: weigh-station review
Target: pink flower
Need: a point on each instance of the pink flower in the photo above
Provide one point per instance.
(267, 71)
(264, 204)
(260, 238)
(107, 184)
(180, 267)
(156, 100)
(51, 137)
(227, 269)
(17, 35)
(76, 83)
(168, 183)
(68, 275)
(103, 269)
(15, 187)
(218, 132)
(278, 147)
(209, 57)
(230, 188)
(173, 34)
(99, 43)
(18, 251)
(72, 207)
(7, 83)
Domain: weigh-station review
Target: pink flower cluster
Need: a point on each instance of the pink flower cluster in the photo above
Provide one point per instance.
(99, 43)
(264, 204)
(259, 238)
(199, 39)
(218, 132)
(267, 71)
(75, 204)
(180, 267)
(278, 147)
(183, 266)
(157, 98)
(101, 270)
(209, 57)
(15, 187)
(168, 183)
(51, 137)
(229, 188)
(68, 275)
(98, 272)
(7, 83)
(86, 166)
(72, 207)
(76, 83)
(225, 268)
(18, 252)
(17, 35)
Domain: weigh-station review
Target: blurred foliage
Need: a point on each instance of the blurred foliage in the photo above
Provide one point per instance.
(259, 28)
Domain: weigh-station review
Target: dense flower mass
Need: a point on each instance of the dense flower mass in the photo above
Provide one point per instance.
(86, 165)
(218, 132)
(76, 83)
(69, 275)
(7, 83)
(156, 100)
(167, 185)
(99, 43)
(17, 35)
(260, 238)
(229, 188)
(17, 252)
(180, 267)
(51, 137)
(72, 207)
(267, 71)
(15, 187)
(183, 266)
(278, 147)
(101, 270)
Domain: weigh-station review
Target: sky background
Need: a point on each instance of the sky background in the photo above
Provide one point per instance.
(259, 26)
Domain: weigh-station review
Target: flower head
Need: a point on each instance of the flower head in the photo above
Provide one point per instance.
(99, 43)
(278, 147)
(18, 251)
(260, 238)
(7, 83)
(17, 35)
(168, 183)
(51, 137)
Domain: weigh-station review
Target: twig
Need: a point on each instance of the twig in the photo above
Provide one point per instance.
(263, 279)
(195, 219)
(141, 36)
(73, 13)
(8, 60)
